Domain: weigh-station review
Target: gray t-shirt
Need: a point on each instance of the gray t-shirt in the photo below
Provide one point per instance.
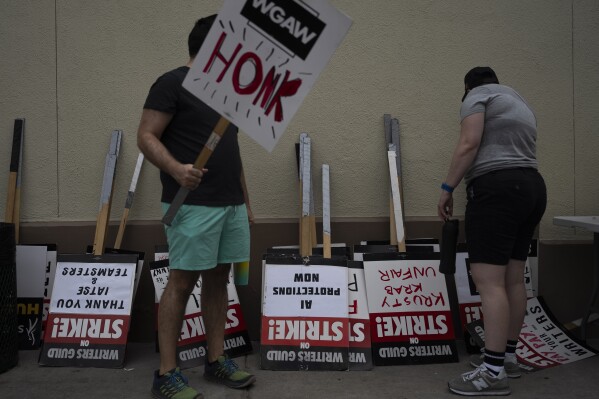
(510, 131)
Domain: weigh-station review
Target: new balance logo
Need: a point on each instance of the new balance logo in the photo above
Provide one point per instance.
(480, 384)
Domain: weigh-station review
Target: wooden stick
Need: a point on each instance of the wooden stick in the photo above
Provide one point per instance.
(106, 194)
(389, 141)
(13, 177)
(326, 213)
(298, 154)
(313, 236)
(306, 223)
(10, 201)
(205, 154)
(392, 229)
(17, 208)
(396, 142)
(129, 201)
(397, 210)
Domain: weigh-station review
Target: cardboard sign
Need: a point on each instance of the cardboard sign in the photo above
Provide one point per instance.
(31, 264)
(410, 313)
(29, 322)
(90, 311)
(360, 350)
(543, 341)
(305, 314)
(260, 60)
(191, 347)
(419, 245)
(51, 257)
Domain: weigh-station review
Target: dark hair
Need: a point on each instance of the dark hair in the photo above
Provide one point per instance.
(479, 76)
(198, 34)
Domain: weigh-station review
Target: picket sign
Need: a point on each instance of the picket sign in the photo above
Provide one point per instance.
(397, 147)
(360, 349)
(305, 323)
(543, 342)
(306, 239)
(13, 201)
(396, 226)
(257, 64)
(389, 141)
(326, 212)
(31, 274)
(107, 189)
(410, 315)
(129, 201)
(90, 311)
(396, 196)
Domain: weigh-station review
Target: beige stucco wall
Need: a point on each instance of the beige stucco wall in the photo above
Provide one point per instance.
(76, 70)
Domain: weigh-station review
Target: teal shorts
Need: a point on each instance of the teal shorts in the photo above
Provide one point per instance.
(200, 237)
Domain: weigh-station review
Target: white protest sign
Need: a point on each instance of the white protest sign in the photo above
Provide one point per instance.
(103, 288)
(260, 60)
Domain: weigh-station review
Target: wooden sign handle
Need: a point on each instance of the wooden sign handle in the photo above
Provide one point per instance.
(15, 166)
(205, 154)
(129, 201)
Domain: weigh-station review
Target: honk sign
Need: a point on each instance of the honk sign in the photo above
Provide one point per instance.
(260, 60)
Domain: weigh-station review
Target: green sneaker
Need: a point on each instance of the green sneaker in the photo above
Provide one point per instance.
(480, 382)
(173, 385)
(512, 369)
(226, 371)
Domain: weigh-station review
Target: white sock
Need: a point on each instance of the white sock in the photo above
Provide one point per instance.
(494, 369)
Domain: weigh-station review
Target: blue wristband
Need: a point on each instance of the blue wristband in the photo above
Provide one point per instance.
(447, 187)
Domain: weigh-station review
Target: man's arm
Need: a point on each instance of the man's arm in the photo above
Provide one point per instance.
(151, 127)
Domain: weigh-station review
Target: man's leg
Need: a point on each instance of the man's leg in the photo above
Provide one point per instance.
(170, 315)
(215, 301)
(219, 368)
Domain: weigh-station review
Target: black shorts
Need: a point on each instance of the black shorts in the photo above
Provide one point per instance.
(502, 213)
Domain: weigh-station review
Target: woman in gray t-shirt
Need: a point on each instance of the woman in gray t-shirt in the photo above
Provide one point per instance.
(496, 156)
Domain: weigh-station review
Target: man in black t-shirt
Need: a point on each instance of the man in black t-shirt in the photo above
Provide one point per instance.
(210, 230)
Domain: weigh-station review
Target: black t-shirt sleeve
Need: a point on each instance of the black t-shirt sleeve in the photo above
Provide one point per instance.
(163, 95)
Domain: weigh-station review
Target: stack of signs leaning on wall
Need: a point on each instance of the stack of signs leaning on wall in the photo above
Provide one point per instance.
(90, 311)
(260, 60)
(31, 265)
(410, 313)
(360, 349)
(468, 298)
(191, 348)
(49, 282)
(543, 341)
(305, 322)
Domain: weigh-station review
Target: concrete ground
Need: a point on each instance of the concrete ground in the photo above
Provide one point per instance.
(28, 380)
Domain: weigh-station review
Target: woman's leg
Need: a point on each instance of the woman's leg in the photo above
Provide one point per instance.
(490, 282)
(516, 293)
